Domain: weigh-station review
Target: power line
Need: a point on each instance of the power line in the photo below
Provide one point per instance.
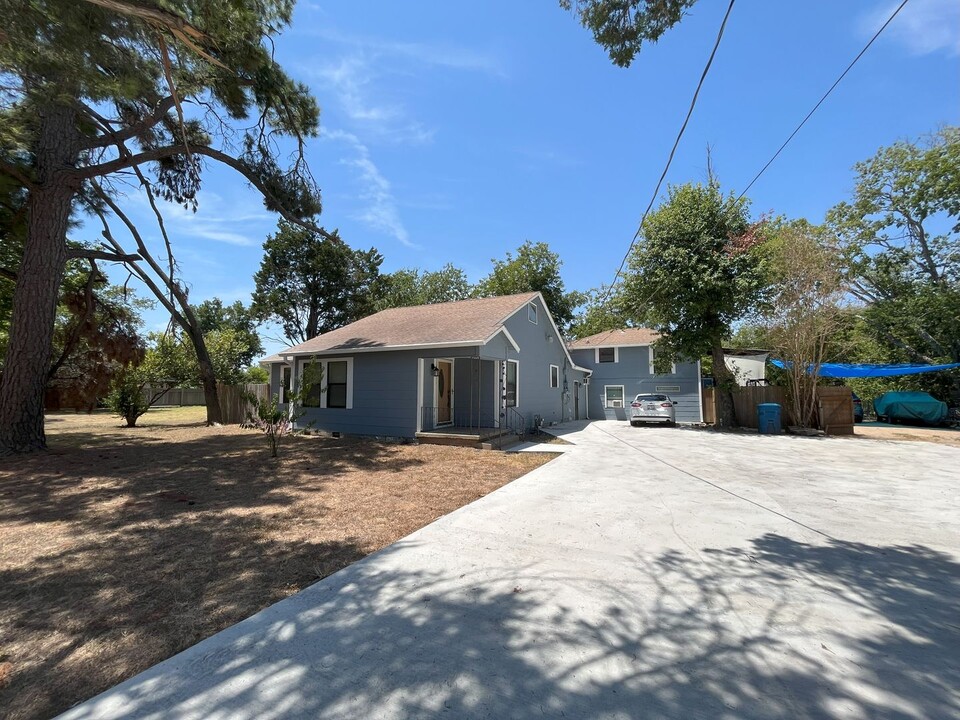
(673, 150)
(825, 96)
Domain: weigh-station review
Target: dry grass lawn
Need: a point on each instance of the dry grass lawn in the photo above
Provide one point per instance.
(119, 548)
(940, 436)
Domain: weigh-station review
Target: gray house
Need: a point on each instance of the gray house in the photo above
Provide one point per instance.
(622, 367)
(471, 369)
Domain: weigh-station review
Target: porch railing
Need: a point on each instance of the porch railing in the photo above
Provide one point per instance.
(515, 422)
(434, 417)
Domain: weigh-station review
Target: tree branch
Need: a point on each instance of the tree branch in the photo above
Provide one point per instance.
(894, 340)
(90, 254)
(14, 172)
(174, 24)
(120, 136)
(73, 337)
(132, 264)
(134, 160)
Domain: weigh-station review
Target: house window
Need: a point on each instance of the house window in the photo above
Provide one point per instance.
(312, 382)
(653, 368)
(337, 384)
(554, 376)
(510, 385)
(285, 373)
(607, 355)
(327, 384)
(613, 396)
(532, 313)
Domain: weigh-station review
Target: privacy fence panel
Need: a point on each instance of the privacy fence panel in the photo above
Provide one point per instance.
(234, 402)
(835, 406)
(175, 397)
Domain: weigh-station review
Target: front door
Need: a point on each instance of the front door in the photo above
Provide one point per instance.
(444, 388)
(576, 401)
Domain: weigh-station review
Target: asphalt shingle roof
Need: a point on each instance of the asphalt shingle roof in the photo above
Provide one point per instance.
(465, 321)
(611, 338)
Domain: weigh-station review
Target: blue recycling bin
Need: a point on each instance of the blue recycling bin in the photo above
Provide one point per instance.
(768, 418)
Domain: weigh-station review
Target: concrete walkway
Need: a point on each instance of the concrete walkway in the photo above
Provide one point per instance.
(645, 573)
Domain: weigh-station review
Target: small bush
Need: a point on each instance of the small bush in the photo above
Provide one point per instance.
(273, 419)
(127, 399)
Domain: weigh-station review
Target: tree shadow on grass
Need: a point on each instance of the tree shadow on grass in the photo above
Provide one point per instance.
(774, 629)
(214, 472)
(139, 549)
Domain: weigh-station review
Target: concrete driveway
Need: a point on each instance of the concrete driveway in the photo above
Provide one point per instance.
(646, 573)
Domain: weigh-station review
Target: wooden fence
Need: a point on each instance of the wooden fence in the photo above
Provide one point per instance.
(835, 406)
(234, 403)
(175, 396)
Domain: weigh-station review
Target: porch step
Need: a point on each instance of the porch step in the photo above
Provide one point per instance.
(486, 441)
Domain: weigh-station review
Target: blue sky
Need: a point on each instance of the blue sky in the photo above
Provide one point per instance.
(453, 132)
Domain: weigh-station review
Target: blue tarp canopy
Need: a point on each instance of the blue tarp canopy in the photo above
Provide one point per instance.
(851, 370)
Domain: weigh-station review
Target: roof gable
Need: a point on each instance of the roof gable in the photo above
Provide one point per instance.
(464, 322)
(617, 338)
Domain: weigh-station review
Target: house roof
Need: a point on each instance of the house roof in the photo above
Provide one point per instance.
(612, 338)
(271, 359)
(464, 322)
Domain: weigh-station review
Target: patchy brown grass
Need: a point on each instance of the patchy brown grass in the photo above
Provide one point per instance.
(119, 548)
(940, 436)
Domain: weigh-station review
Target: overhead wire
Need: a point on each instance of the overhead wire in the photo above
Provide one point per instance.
(673, 150)
(825, 96)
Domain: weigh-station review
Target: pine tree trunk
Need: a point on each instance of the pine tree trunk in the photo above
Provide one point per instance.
(38, 284)
(723, 382)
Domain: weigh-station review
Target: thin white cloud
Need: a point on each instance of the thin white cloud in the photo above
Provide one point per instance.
(216, 220)
(922, 27)
(442, 55)
(350, 80)
(381, 212)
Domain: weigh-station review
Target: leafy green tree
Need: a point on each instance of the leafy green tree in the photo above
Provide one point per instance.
(604, 309)
(230, 355)
(167, 364)
(95, 91)
(311, 284)
(214, 316)
(804, 309)
(409, 286)
(901, 236)
(695, 271)
(536, 268)
(96, 327)
(256, 374)
(622, 26)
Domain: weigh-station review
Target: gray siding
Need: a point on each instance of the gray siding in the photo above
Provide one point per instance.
(385, 383)
(632, 371)
(385, 401)
(537, 353)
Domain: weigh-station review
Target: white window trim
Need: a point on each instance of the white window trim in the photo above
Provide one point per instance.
(616, 354)
(673, 366)
(536, 313)
(517, 363)
(324, 362)
(623, 397)
(550, 376)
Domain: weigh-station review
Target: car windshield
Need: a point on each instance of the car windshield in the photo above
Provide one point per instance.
(651, 398)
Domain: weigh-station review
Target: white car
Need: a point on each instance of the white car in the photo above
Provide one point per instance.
(652, 408)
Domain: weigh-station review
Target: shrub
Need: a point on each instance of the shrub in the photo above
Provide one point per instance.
(127, 399)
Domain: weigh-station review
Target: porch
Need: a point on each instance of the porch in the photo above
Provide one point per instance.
(465, 429)
(463, 402)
